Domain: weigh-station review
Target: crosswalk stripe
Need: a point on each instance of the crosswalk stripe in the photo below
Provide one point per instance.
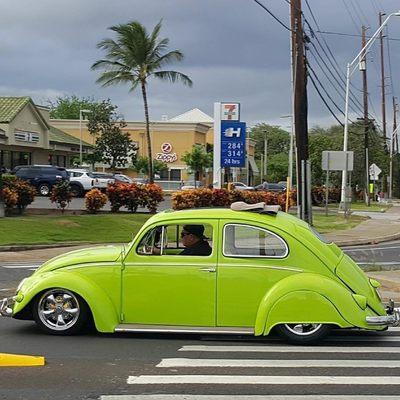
(237, 363)
(242, 397)
(290, 349)
(261, 380)
(377, 339)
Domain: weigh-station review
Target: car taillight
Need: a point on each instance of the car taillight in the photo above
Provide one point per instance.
(58, 177)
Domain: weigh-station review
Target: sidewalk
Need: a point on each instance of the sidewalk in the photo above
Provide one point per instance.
(380, 228)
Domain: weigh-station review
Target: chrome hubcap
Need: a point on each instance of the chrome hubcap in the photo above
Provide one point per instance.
(44, 190)
(303, 329)
(58, 309)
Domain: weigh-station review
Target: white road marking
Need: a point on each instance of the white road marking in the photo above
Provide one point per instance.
(290, 349)
(15, 266)
(261, 380)
(242, 397)
(351, 250)
(379, 263)
(234, 363)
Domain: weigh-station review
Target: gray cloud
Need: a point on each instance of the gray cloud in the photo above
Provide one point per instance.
(234, 51)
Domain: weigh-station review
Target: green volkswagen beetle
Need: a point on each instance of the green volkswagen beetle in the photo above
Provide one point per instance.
(244, 270)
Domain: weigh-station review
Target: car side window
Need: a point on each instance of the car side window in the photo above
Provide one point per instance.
(251, 241)
(177, 240)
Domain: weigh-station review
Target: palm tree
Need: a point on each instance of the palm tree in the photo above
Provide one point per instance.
(132, 58)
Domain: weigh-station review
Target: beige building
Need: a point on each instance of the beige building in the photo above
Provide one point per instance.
(171, 139)
(26, 136)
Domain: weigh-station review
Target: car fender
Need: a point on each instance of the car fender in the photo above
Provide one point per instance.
(309, 297)
(105, 315)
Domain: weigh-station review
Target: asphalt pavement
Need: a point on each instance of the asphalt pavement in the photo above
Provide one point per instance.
(348, 365)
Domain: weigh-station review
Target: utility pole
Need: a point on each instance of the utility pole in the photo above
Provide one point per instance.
(363, 68)
(300, 110)
(382, 78)
(393, 140)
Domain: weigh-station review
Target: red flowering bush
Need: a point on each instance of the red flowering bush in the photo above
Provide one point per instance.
(153, 196)
(95, 200)
(220, 198)
(116, 194)
(318, 194)
(10, 197)
(25, 192)
(61, 194)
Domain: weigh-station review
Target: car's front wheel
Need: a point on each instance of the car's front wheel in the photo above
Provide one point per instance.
(44, 189)
(60, 312)
(303, 333)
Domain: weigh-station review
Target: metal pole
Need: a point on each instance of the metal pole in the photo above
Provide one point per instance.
(303, 191)
(345, 137)
(80, 137)
(265, 155)
(290, 172)
(327, 187)
(262, 168)
(308, 187)
(217, 146)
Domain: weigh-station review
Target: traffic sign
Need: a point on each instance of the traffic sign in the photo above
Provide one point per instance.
(233, 144)
(374, 172)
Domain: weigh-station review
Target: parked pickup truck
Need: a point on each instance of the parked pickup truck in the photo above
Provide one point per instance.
(82, 180)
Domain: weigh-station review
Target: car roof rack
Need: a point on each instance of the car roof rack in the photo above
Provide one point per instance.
(260, 208)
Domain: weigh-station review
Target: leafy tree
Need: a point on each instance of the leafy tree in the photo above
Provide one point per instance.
(68, 107)
(198, 160)
(132, 58)
(141, 166)
(278, 140)
(113, 146)
(278, 167)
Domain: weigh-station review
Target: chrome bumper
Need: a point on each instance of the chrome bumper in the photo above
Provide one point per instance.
(391, 319)
(6, 306)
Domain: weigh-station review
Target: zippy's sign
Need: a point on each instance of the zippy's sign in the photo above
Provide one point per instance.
(233, 144)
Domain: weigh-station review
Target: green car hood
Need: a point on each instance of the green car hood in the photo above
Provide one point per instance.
(83, 256)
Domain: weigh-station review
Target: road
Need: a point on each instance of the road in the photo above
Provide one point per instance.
(148, 367)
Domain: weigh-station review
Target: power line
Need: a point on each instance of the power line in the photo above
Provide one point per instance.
(351, 35)
(273, 16)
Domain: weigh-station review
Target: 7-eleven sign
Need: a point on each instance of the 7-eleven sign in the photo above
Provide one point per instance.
(230, 111)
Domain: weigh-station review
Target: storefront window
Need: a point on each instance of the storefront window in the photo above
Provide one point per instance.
(20, 158)
(170, 175)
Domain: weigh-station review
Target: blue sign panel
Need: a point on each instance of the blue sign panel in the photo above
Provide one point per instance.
(233, 144)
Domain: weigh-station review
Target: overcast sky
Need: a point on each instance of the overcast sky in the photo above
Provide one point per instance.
(234, 51)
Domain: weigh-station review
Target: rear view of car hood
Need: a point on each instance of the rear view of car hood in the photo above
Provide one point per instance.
(354, 277)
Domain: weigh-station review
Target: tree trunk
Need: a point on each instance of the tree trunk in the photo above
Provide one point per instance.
(146, 114)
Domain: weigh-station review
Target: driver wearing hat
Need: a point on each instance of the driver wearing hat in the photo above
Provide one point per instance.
(194, 241)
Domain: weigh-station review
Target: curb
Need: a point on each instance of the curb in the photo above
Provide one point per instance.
(358, 242)
(17, 360)
(22, 247)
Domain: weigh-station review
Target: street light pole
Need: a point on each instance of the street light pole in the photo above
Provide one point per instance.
(350, 71)
(291, 145)
(81, 112)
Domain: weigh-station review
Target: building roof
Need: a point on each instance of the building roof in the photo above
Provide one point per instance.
(11, 106)
(194, 115)
(59, 136)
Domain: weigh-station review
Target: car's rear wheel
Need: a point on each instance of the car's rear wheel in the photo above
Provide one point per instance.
(44, 189)
(76, 190)
(303, 333)
(60, 312)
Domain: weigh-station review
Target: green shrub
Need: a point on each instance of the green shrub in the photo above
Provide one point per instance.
(61, 194)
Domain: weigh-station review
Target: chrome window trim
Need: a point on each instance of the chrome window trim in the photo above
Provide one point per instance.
(252, 256)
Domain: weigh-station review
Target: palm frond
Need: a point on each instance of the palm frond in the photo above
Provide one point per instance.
(174, 76)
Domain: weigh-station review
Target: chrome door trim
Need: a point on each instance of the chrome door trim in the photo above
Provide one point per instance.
(183, 329)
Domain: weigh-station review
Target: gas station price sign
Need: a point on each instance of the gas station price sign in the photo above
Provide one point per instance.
(233, 144)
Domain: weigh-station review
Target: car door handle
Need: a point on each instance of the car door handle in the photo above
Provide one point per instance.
(208, 269)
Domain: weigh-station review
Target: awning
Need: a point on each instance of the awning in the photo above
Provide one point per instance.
(253, 165)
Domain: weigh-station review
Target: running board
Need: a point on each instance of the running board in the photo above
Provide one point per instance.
(183, 329)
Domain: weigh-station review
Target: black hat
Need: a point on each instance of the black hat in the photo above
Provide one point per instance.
(196, 230)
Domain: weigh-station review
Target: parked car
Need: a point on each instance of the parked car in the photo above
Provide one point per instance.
(270, 187)
(82, 180)
(272, 271)
(102, 179)
(242, 186)
(121, 178)
(42, 177)
(191, 185)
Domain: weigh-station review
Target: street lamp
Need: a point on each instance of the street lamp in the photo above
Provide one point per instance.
(350, 70)
(393, 137)
(81, 112)
(290, 167)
